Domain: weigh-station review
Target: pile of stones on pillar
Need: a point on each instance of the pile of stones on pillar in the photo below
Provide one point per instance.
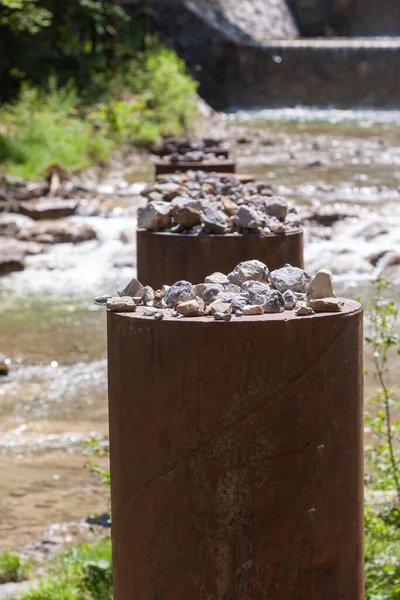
(207, 203)
(250, 289)
(182, 146)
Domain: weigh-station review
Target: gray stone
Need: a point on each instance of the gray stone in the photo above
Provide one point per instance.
(290, 299)
(218, 278)
(250, 269)
(247, 218)
(133, 288)
(148, 294)
(302, 310)
(325, 304)
(321, 286)
(277, 227)
(123, 304)
(219, 306)
(211, 291)
(231, 287)
(181, 291)
(156, 215)
(101, 300)
(149, 311)
(164, 289)
(159, 316)
(222, 316)
(274, 302)
(186, 217)
(191, 308)
(255, 292)
(214, 221)
(290, 278)
(276, 207)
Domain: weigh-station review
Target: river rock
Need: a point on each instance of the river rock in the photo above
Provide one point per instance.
(181, 291)
(230, 207)
(11, 259)
(191, 308)
(218, 278)
(274, 302)
(123, 304)
(325, 304)
(102, 300)
(256, 292)
(250, 269)
(247, 218)
(290, 299)
(253, 309)
(211, 291)
(156, 215)
(321, 286)
(186, 216)
(290, 278)
(276, 207)
(219, 306)
(133, 288)
(148, 294)
(302, 310)
(48, 208)
(214, 221)
(58, 232)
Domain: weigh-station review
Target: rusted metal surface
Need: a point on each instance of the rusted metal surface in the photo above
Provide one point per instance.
(236, 457)
(167, 257)
(222, 166)
(242, 177)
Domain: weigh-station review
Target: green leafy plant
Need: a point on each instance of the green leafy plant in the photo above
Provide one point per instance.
(12, 568)
(382, 521)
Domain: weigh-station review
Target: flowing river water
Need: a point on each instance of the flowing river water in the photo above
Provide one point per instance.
(55, 396)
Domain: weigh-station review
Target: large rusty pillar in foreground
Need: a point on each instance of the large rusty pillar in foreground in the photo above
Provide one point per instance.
(236, 457)
(164, 258)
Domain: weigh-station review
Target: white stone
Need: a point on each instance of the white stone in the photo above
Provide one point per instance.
(124, 304)
(321, 286)
(253, 309)
(325, 304)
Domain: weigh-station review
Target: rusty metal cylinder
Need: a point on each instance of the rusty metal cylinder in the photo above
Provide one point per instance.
(164, 258)
(236, 457)
(222, 166)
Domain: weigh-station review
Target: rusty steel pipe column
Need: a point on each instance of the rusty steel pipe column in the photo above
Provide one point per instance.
(164, 258)
(236, 457)
(222, 166)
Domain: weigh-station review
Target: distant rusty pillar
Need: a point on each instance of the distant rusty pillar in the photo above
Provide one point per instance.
(236, 457)
(164, 258)
(221, 166)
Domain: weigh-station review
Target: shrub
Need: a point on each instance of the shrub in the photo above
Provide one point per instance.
(12, 568)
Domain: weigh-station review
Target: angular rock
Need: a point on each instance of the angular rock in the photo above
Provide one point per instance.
(211, 291)
(256, 292)
(148, 294)
(274, 302)
(222, 316)
(325, 304)
(156, 215)
(321, 286)
(276, 207)
(247, 218)
(302, 310)
(149, 311)
(219, 306)
(186, 216)
(218, 278)
(181, 291)
(48, 208)
(133, 288)
(214, 221)
(290, 299)
(290, 278)
(253, 309)
(250, 269)
(124, 304)
(101, 300)
(190, 308)
(230, 207)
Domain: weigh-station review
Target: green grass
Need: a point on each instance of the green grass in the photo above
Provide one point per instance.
(12, 568)
(82, 573)
(149, 96)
